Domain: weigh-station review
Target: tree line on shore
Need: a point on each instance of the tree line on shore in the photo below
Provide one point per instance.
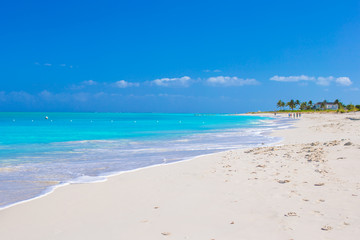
(296, 104)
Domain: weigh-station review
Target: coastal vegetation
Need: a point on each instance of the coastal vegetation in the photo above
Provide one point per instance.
(309, 106)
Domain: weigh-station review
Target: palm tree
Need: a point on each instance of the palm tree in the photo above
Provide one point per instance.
(350, 107)
(341, 105)
(280, 104)
(303, 106)
(337, 102)
(323, 104)
(291, 104)
(310, 103)
(297, 103)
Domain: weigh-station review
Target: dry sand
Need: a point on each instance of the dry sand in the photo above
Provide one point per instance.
(306, 188)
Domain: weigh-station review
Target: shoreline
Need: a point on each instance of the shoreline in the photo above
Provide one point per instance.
(105, 177)
(225, 195)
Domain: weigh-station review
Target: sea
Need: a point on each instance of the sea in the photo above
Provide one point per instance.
(40, 151)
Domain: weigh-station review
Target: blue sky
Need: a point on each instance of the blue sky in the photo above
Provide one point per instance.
(177, 56)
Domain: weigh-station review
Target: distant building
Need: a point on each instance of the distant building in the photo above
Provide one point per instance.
(328, 106)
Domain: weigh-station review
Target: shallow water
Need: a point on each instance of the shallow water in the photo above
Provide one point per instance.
(37, 153)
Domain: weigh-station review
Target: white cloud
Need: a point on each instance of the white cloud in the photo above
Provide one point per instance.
(83, 84)
(215, 71)
(89, 82)
(323, 81)
(231, 81)
(54, 65)
(345, 81)
(81, 97)
(125, 84)
(100, 94)
(167, 82)
(21, 96)
(292, 78)
(45, 94)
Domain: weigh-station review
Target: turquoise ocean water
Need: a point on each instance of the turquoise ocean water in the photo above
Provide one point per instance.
(37, 154)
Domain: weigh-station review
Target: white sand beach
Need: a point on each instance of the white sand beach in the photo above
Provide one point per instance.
(308, 187)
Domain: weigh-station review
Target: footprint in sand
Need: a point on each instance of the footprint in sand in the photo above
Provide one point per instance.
(318, 212)
(326, 228)
(291, 214)
(283, 181)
